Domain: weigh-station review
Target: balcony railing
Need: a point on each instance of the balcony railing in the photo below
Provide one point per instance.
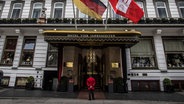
(93, 21)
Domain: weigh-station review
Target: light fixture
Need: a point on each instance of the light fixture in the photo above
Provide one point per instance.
(158, 31)
(40, 31)
(17, 31)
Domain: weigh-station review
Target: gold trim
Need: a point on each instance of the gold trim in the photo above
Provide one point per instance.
(133, 32)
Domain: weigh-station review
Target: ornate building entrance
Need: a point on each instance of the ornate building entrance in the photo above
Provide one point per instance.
(97, 53)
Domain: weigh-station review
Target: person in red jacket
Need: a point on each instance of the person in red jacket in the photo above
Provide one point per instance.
(91, 87)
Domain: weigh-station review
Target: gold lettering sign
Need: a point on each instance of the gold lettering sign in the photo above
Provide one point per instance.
(115, 65)
(69, 64)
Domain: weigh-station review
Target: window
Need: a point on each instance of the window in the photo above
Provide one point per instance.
(37, 8)
(143, 55)
(52, 58)
(114, 15)
(174, 50)
(58, 10)
(82, 15)
(141, 5)
(1, 8)
(28, 51)
(9, 51)
(161, 9)
(16, 10)
(181, 8)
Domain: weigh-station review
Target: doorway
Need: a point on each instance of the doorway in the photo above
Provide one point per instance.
(91, 64)
(48, 79)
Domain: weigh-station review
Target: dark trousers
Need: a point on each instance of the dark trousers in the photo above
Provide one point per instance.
(91, 95)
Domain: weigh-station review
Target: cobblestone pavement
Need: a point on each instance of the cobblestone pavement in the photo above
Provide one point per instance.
(78, 101)
(22, 96)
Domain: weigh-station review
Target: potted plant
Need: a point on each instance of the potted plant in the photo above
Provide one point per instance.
(63, 84)
(167, 85)
(149, 21)
(118, 85)
(91, 21)
(30, 83)
(173, 21)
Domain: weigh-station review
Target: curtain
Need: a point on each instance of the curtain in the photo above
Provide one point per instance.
(173, 45)
(143, 48)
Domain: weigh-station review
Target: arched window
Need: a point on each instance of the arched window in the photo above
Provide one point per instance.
(161, 9)
(141, 5)
(58, 10)
(181, 8)
(37, 7)
(16, 10)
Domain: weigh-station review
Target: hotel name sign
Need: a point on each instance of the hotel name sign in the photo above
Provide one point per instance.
(90, 36)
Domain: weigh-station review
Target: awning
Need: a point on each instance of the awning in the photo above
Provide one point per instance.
(91, 38)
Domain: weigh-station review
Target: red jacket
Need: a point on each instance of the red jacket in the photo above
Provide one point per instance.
(91, 83)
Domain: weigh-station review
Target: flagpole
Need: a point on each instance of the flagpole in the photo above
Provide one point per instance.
(74, 15)
(107, 15)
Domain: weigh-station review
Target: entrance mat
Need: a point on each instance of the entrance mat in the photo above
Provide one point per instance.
(97, 94)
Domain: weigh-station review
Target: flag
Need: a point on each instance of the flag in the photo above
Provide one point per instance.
(93, 8)
(128, 9)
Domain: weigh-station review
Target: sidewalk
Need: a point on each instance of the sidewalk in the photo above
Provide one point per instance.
(11, 93)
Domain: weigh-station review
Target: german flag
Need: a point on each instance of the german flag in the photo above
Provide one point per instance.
(93, 8)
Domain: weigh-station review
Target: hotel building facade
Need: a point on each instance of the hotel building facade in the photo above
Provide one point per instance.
(142, 54)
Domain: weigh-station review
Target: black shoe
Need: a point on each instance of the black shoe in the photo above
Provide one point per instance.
(89, 99)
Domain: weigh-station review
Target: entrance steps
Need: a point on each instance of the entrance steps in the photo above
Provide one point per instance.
(83, 94)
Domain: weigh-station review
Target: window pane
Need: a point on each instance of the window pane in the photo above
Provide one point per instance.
(27, 58)
(29, 44)
(37, 7)
(52, 58)
(173, 45)
(182, 12)
(8, 58)
(58, 5)
(160, 4)
(82, 15)
(161, 9)
(174, 50)
(11, 44)
(162, 13)
(17, 6)
(16, 10)
(175, 60)
(16, 13)
(1, 6)
(36, 13)
(9, 51)
(58, 13)
(181, 8)
(28, 52)
(142, 54)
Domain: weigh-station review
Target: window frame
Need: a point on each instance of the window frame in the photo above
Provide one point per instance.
(8, 50)
(33, 8)
(172, 52)
(165, 6)
(144, 58)
(13, 8)
(1, 7)
(180, 13)
(28, 50)
(54, 7)
(50, 51)
(143, 2)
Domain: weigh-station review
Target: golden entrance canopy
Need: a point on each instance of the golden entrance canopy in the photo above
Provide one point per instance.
(91, 38)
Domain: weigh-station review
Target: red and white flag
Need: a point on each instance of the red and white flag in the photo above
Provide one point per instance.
(128, 9)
